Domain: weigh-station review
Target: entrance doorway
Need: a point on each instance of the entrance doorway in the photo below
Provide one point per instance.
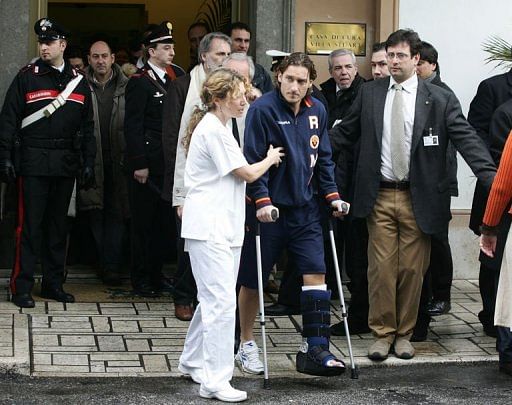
(121, 22)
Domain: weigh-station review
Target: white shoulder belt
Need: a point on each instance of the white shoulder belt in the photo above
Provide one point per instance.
(49, 109)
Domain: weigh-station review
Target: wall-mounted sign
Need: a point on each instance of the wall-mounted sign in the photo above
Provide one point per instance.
(323, 38)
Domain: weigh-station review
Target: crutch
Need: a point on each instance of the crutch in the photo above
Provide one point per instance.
(354, 373)
(266, 382)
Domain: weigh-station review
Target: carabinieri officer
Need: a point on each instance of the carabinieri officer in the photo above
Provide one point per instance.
(150, 214)
(46, 127)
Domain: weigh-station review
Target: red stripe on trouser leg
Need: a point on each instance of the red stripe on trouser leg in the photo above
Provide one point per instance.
(19, 229)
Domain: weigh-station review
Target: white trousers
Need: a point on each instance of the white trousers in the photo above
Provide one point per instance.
(211, 335)
(503, 309)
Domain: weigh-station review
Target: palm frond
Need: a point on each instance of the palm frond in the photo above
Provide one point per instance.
(215, 13)
(499, 50)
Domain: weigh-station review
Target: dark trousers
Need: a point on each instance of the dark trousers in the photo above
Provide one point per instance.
(504, 344)
(356, 264)
(437, 281)
(108, 227)
(150, 223)
(185, 290)
(41, 231)
(489, 272)
(441, 266)
(424, 317)
(352, 243)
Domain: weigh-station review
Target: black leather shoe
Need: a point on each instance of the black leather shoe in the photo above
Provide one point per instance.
(420, 331)
(145, 290)
(281, 310)
(23, 300)
(57, 294)
(506, 368)
(437, 308)
(354, 327)
(489, 328)
(164, 285)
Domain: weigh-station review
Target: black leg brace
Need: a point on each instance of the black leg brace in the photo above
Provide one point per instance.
(316, 318)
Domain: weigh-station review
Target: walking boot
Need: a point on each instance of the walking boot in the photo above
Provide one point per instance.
(314, 357)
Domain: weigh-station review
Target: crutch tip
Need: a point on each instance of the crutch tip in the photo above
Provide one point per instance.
(354, 374)
(266, 384)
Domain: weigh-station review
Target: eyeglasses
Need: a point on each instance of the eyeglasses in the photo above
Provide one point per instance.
(398, 55)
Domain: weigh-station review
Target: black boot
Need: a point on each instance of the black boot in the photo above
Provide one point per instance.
(23, 300)
(316, 318)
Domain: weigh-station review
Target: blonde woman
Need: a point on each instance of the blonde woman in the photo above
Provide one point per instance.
(213, 228)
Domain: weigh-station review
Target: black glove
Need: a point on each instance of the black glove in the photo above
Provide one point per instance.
(7, 172)
(87, 180)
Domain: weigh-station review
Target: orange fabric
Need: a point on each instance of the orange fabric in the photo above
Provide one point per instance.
(170, 72)
(501, 190)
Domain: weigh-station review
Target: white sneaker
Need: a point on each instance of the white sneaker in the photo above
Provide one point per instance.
(194, 373)
(248, 358)
(226, 395)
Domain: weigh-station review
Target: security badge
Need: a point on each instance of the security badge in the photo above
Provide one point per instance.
(430, 140)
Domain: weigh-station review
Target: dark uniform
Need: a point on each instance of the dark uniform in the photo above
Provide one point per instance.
(144, 97)
(49, 156)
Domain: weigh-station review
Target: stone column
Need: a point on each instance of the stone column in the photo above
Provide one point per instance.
(15, 30)
(274, 25)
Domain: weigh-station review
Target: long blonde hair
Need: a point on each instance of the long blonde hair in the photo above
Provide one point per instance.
(220, 84)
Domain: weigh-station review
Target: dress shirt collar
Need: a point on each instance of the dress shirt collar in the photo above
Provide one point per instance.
(159, 71)
(410, 85)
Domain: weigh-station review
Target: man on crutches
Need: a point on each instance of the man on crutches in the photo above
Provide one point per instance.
(291, 118)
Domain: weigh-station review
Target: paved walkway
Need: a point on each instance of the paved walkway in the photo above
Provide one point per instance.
(144, 339)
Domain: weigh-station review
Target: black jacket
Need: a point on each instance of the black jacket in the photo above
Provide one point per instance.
(491, 93)
(338, 108)
(53, 146)
(451, 153)
(144, 97)
(261, 79)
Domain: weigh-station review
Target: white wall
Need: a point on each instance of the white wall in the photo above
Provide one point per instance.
(457, 29)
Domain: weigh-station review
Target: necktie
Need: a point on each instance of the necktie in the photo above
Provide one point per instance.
(398, 153)
(235, 130)
(339, 93)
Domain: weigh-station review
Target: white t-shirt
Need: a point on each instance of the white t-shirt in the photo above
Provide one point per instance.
(214, 208)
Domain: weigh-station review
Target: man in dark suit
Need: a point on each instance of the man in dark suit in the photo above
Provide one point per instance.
(182, 98)
(144, 97)
(490, 95)
(401, 187)
(436, 291)
(341, 89)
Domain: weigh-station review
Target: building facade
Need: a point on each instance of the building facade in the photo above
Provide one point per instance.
(457, 28)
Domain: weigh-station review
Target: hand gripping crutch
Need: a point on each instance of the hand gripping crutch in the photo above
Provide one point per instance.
(353, 368)
(266, 382)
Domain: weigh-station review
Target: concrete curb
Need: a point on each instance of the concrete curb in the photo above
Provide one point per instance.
(19, 362)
